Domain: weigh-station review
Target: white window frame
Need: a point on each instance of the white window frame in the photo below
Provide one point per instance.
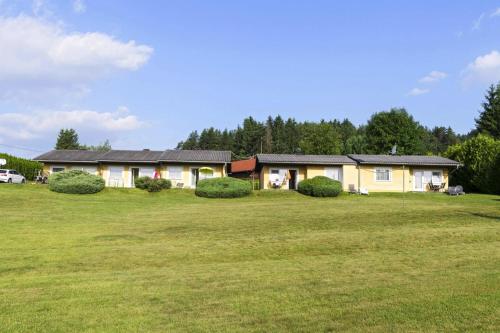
(383, 180)
(121, 182)
(339, 172)
(441, 172)
(180, 170)
(57, 167)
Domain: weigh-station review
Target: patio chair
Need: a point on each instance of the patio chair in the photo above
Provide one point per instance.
(179, 185)
(352, 189)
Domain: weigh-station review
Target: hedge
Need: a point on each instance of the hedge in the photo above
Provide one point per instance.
(27, 168)
(75, 182)
(152, 185)
(320, 186)
(225, 187)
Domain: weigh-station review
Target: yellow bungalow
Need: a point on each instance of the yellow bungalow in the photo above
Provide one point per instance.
(285, 171)
(372, 173)
(392, 173)
(120, 168)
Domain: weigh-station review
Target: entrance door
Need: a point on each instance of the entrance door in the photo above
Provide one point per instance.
(134, 175)
(419, 184)
(195, 176)
(292, 183)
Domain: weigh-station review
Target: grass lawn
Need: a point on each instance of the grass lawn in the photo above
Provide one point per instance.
(127, 260)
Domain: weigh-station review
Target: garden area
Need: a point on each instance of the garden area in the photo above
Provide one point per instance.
(274, 261)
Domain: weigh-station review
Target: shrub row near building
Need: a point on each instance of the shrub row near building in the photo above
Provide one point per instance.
(27, 168)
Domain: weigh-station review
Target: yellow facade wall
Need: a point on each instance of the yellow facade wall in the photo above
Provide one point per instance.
(264, 175)
(350, 177)
(403, 178)
(103, 170)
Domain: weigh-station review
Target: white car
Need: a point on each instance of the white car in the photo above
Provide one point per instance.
(11, 176)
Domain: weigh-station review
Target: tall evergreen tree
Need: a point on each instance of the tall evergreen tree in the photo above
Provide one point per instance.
(192, 142)
(489, 118)
(67, 139)
(268, 136)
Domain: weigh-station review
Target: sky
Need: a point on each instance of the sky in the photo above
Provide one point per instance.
(144, 74)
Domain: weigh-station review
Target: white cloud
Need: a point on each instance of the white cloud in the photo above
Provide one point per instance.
(496, 12)
(433, 77)
(27, 126)
(79, 6)
(37, 54)
(477, 23)
(418, 91)
(485, 68)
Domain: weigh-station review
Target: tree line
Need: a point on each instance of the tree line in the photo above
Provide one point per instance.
(277, 135)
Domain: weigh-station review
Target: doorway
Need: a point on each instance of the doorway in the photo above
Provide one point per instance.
(135, 175)
(195, 176)
(292, 182)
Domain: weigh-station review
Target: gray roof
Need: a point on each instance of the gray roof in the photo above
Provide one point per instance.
(82, 156)
(212, 156)
(127, 156)
(303, 159)
(403, 160)
(130, 156)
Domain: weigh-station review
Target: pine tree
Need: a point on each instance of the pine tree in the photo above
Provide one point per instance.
(67, 139)
(489, 118)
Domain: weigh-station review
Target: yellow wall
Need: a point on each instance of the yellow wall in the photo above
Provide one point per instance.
(186, 173)
(103, 171)
(350, 177)
(402, 178)
(264, 175)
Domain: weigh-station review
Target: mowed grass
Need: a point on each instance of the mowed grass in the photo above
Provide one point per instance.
(130, 261)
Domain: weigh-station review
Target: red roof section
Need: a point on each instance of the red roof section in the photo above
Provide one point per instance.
(243, 165)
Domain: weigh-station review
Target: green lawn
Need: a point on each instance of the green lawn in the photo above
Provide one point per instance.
(127, 260)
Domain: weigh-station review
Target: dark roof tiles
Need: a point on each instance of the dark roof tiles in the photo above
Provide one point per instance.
(303, 159)
(404, 160)
(151, 156)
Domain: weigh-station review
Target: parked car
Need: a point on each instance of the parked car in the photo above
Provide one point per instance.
(11, 176)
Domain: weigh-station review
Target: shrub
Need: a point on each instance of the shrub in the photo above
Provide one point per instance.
(225, 187)
(142, 182)
(479, 157)
(27, 168)
(152, 185)
(164, 184)
(320, 186)
(75, 182)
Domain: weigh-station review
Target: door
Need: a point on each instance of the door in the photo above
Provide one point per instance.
(292, 183)
(134, 172)
(195, 176)
(419, 181)
(115, 177)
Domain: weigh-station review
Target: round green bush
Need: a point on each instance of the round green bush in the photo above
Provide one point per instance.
(152, 185)
(320, 186)
(75, 182)
(164, 184)
(142, 182)
(225, 187)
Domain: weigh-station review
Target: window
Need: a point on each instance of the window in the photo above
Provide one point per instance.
(333, 173)
(13, 172)
(275, 172)
(383, 174)
(57, 169)
(175, 172)
(436, 177)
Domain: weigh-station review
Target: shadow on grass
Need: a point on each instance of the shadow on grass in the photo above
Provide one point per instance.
(486, 216)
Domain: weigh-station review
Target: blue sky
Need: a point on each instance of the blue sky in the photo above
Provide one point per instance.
(146, 73)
